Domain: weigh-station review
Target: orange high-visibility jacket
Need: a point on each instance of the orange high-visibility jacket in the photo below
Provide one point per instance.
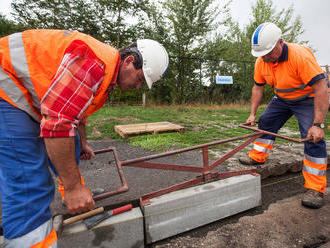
(29, 61)
(290, 78)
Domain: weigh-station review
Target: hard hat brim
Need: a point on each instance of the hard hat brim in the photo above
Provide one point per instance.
(148, 80)
(261, 53)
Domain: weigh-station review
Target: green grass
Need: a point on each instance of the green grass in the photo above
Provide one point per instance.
(202, 124)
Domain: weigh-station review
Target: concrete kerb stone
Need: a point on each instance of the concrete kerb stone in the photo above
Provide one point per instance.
(186, 209)
(123, 230)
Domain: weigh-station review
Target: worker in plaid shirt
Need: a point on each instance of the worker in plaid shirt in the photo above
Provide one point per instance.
(50, 82)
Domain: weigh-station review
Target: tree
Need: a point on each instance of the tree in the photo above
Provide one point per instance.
(185, 25)
(8, 27)
(58, 14)
(118, 19)
(196, 34)
(106, 20)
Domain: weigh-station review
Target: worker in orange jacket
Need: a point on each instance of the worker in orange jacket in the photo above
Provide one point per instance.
(50, 82)
(300, 89)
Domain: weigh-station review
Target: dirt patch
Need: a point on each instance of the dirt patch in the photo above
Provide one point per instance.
(284, 224)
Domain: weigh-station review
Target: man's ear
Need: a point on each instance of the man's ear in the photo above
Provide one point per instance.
(129, 59)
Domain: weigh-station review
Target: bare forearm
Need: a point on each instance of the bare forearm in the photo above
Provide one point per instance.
(320, 109)
(87, 152)
(82, 134)
(61, 152)
(321, 102)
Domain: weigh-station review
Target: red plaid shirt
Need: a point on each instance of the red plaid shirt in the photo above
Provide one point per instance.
(71, 91)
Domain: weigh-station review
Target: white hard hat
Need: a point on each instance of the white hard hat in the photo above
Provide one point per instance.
(155, 60)
(265, 38)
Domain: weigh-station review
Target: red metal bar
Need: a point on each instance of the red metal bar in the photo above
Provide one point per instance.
(231, 153)
(145, 198)
(167, 167)
(126, 162)
(109, 149)
(206, 159)
(224, 175)
(110, 193)
(124, 185)
(275, 134)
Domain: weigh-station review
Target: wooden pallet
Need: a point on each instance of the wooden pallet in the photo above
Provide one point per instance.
(154, 128)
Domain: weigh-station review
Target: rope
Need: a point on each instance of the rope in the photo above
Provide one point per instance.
(280, 181)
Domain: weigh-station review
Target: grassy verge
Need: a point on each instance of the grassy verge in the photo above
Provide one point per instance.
(202, 124)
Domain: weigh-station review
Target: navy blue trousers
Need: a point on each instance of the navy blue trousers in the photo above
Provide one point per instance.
(279, 111)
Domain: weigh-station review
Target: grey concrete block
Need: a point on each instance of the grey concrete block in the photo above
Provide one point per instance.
(189, 208)
(123, 230)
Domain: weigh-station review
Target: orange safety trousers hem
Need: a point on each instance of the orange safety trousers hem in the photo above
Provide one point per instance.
(260, 156)
(312, 181)
(47, 242)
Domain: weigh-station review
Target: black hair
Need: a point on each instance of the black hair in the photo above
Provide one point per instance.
(132, 50)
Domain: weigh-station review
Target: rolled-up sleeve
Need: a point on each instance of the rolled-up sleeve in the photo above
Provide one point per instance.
(71, 91)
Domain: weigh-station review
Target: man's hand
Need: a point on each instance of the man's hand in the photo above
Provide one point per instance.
(87, 153)
(316, 133)
(251, 120)
(79, 199)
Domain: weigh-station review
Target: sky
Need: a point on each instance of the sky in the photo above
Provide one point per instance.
(315, 17)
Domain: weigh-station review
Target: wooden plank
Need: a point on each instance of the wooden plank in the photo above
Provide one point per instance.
(154, 127)
(117, 130)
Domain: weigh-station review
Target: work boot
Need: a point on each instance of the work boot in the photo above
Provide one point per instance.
(313, 199)
(96, 191)
(246, 160)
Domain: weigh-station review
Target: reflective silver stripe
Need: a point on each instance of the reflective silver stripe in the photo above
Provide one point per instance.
(15, 94)
(19, 63)
(301, 87)
(265, 141)
(314, 171)
(261, 149)
(295, 99)
(316, 160)
(33, 237)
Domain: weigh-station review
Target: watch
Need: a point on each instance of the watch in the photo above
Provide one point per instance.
(320, 125)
